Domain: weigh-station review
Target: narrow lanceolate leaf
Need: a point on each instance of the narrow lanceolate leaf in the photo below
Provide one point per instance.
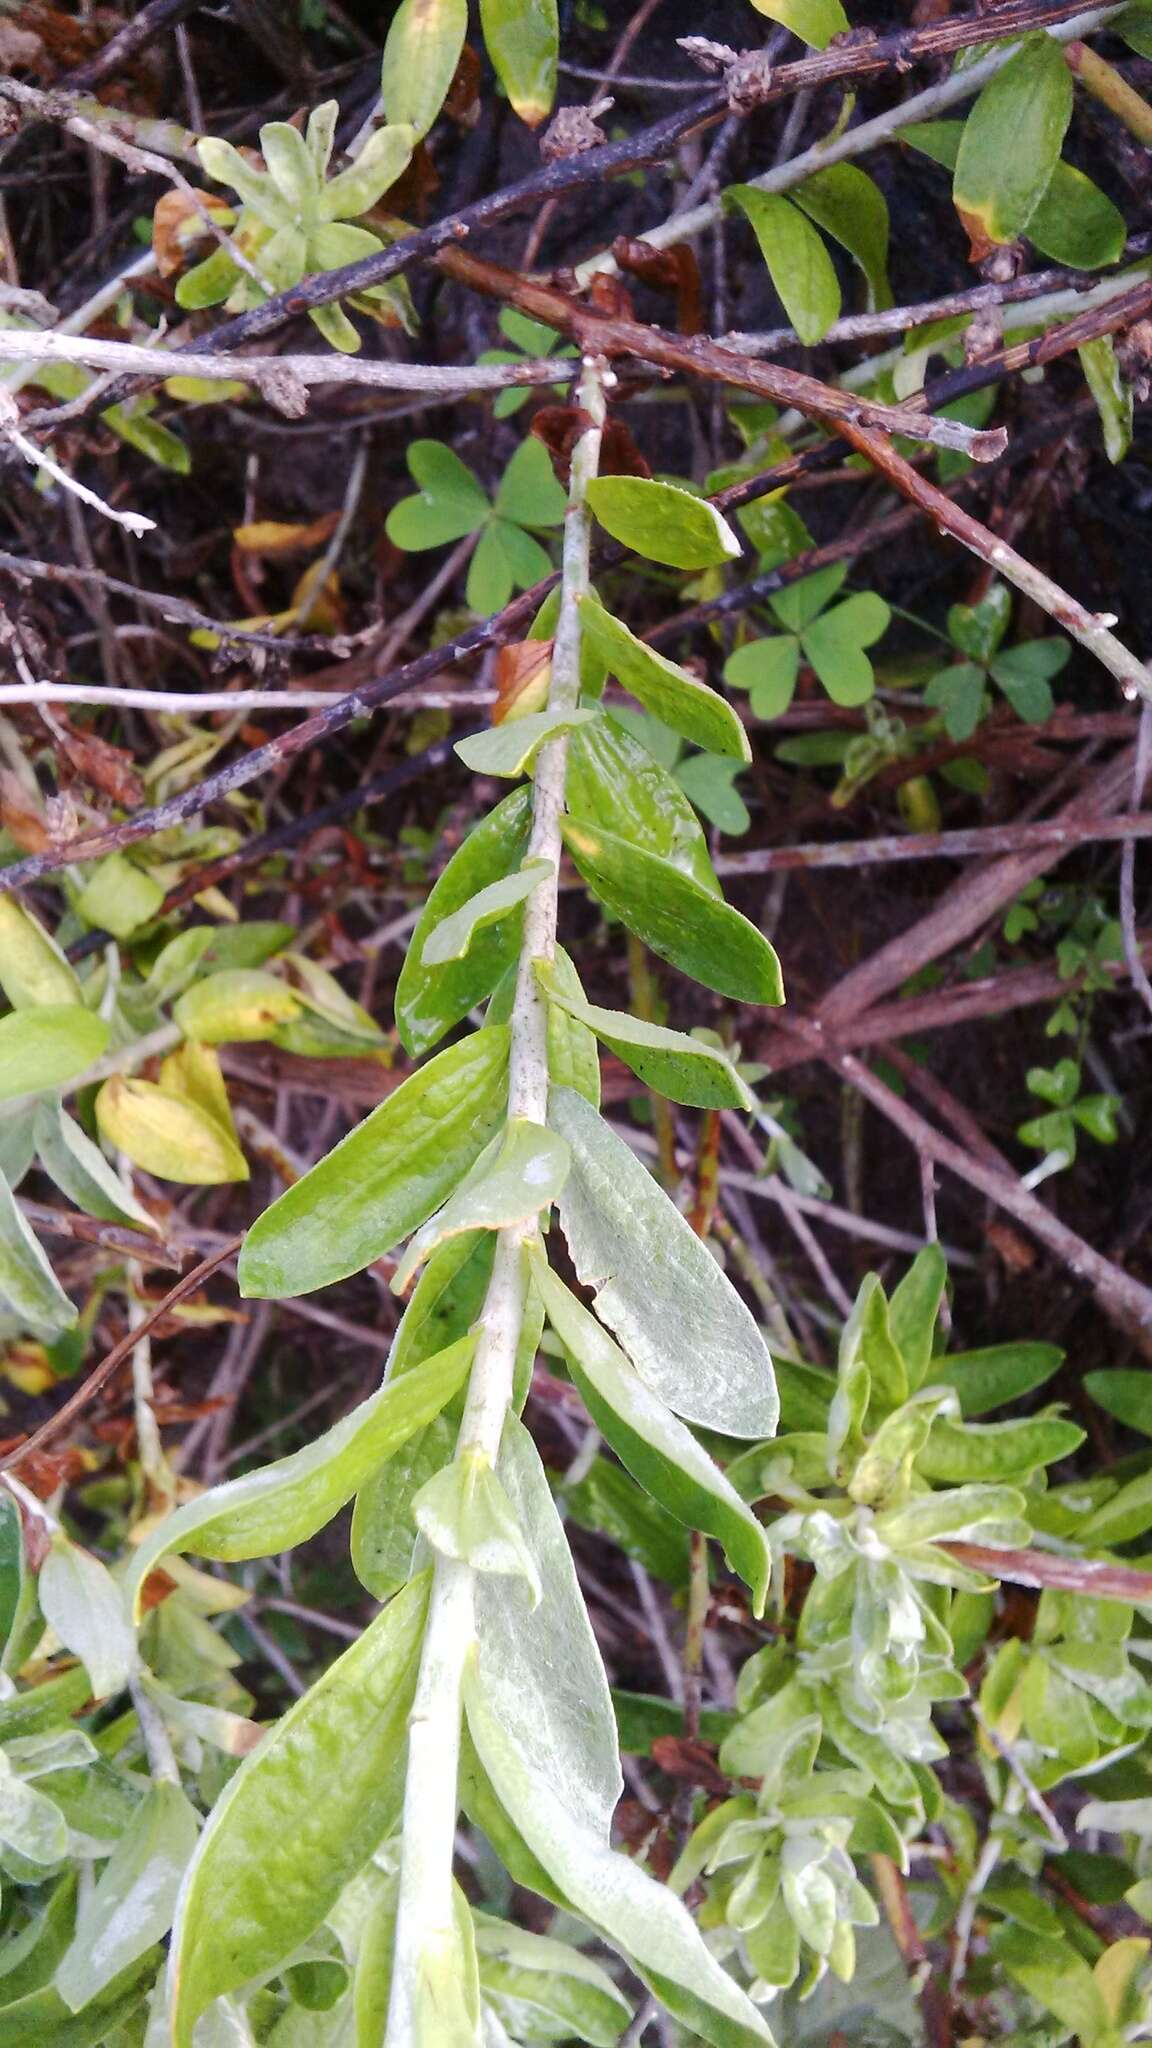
(657, 1449)
(1113, 397)
(509, 750)
(421, 52)
(81, 1172)
(33, 970)
(668, 1061)
(133, 1903)
(573, 1054)
(635, 1914)
(798, 263)
(386, 1177)
(80, 1600)
(430, 1000)
(662, 686)
(663, 522)
(301, 1816)
(168, 1135)
(1011, 142)
(675, 917)
(850, 207)
(522, 38)
(615, 783)
(283, 1504)
(957, 1453)
(521, 1172)
(686, 1330)
(27, 1283)
(452, 938)
(44, 1048)
(547, 1985)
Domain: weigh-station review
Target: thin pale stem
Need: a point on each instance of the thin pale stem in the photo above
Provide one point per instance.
(424, 1925)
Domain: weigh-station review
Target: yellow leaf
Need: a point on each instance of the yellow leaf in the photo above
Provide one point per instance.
(32, 968)
(194, 1073)
(167, 1135)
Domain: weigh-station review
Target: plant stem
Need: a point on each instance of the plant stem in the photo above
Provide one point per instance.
(424, 1925)
(1113, 91)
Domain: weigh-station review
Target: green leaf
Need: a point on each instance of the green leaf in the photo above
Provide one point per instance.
(835, 641)
(675, 916)
(452, 937)
(662, 522)
(522, 38)
(42, 2016)
(662, 686)
(27, 1283)
(1058, 1085)
(1120, 1520)
(1126, 1395)
(959, 693)
(132, 1905)
(814, 21)
(978, 629)
(33, 970)
(799, 602)
(656, 1284)
(850, 207)
(385, 1178)
(710, 785)
(81, 1172)
(1076, 223)
(913, 1310)
(283, 1504)
(798, 263)
(42, 1049)
(118, 897)
(1113, 397)
(291, 166)
(429, 1001)
(236, 1005)
(682, 1068)
(301, 1816)
(225, 164)
(450, 504)
(383, 159)
(465, 1514)
(421, 51)
(635, 1913)
(445, 1304)
(608, 1503)
(509, 750)
(657, 1449)
(81, 1601)
(207, 283)
(1055, 1975)
(768, 669)
(958, 1452)
(573, 1054)
(1012, 141)
(521, 1172)
(533, 1982)
(615, 783)
(528, 492)
(1022, 673)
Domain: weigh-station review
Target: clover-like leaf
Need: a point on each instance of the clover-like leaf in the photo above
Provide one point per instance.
(768, 670)
(450, 503)
(835, 641)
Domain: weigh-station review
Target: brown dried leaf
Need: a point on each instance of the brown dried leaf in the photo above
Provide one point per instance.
(97, 762)
(523, 676)
(21, 814)
(177, 226)
(666, 270)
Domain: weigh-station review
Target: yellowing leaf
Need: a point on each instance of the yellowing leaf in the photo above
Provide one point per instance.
(32, 968)
(1011, 142)
(522, 38)
(421, 52)
(235, 1005)
(166, 1135)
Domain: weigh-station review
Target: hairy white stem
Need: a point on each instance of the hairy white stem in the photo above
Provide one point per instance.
(424, 1925)
(923, 106)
